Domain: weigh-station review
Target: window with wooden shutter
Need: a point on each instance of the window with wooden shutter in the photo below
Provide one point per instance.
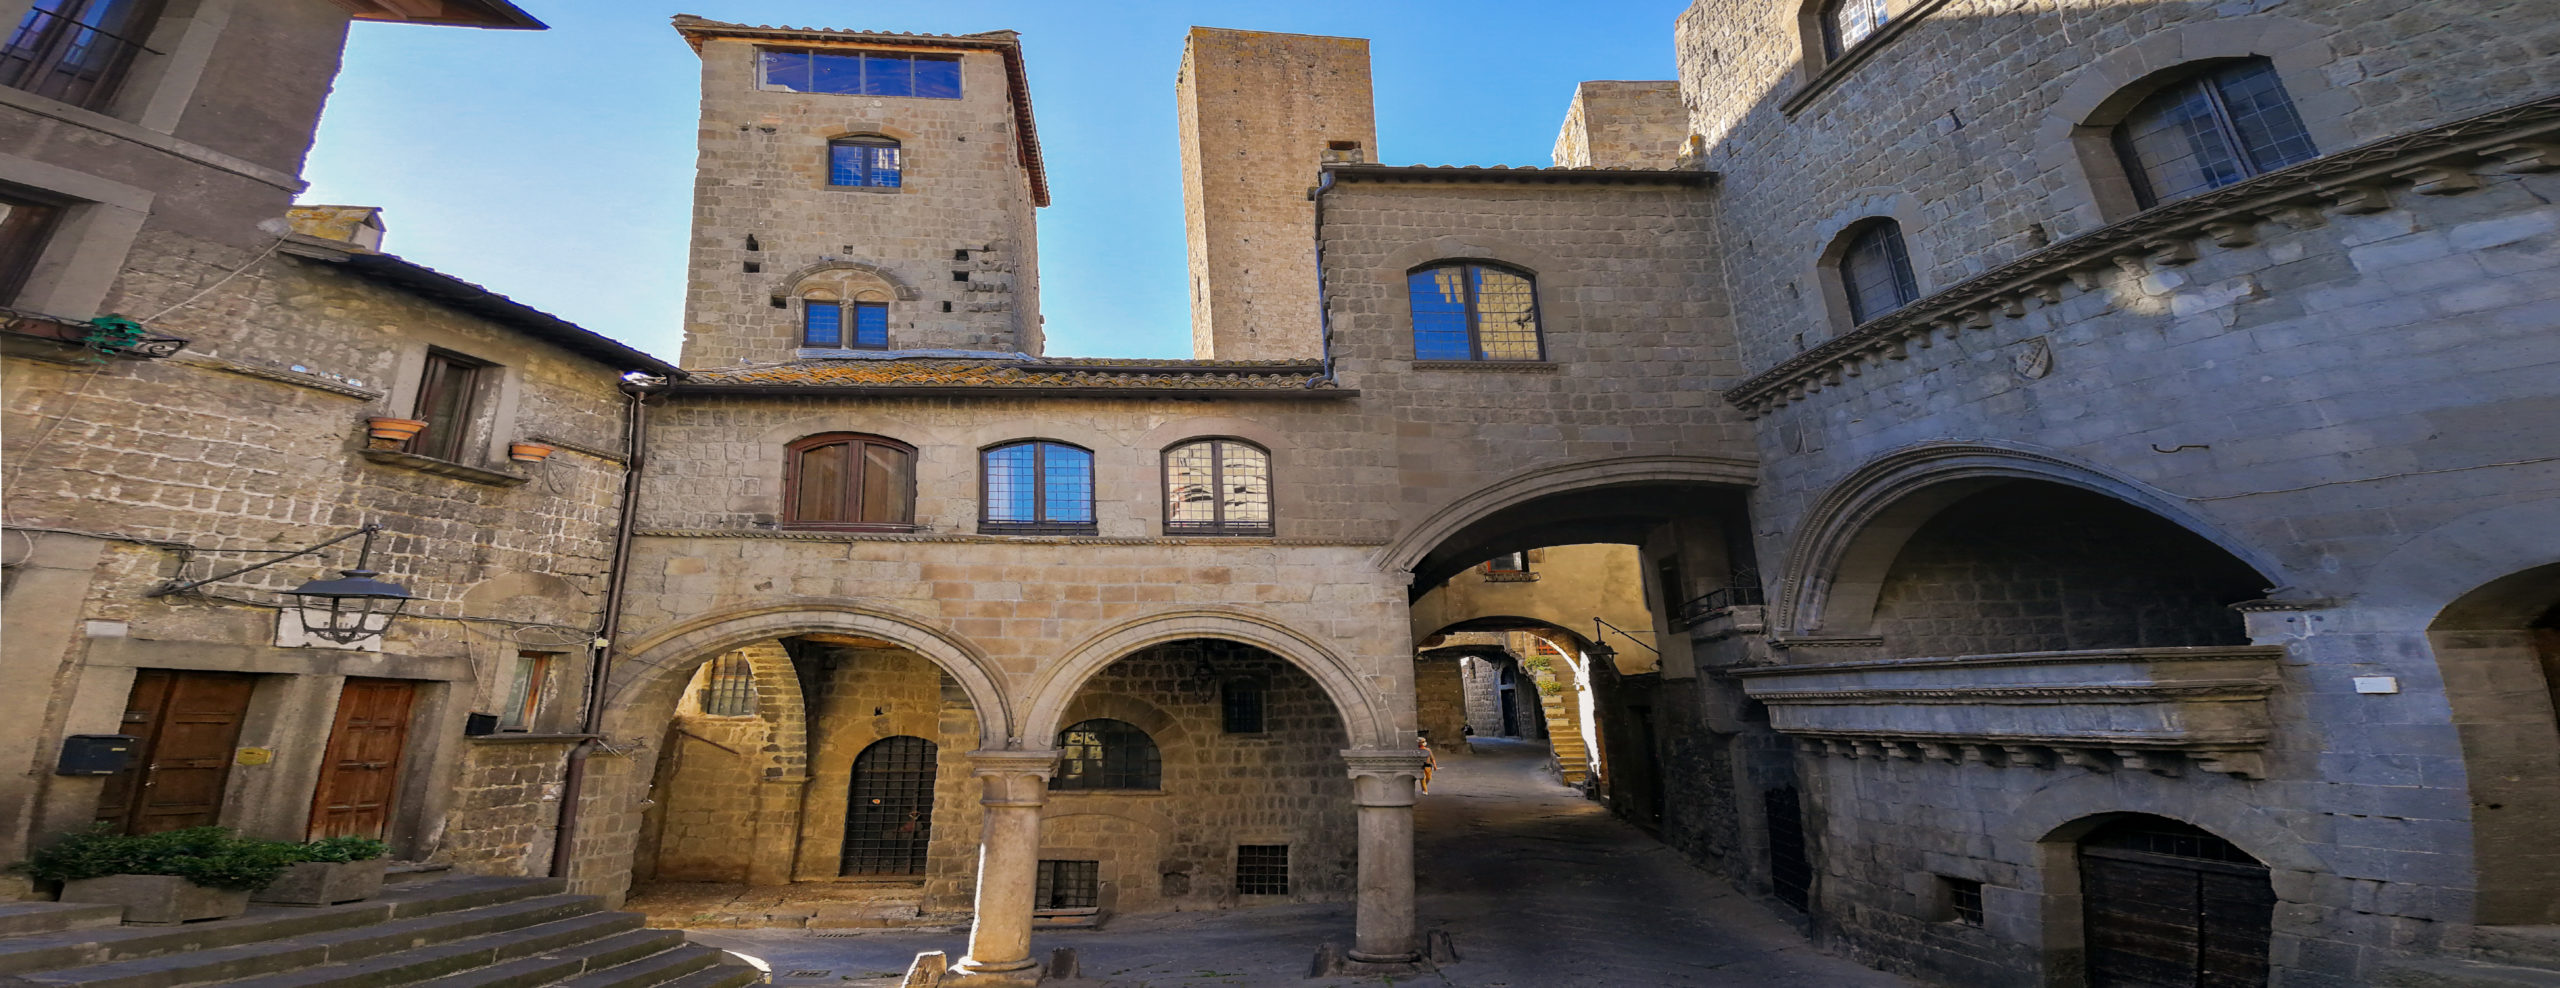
(849, 481)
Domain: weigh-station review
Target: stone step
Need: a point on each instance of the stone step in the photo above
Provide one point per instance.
(2438, 972)
(724, 972)
(655, 969)
(19, 919)
(73, 948)
(611, 953)
(437, 960)
(2523, 946)
(529, 925)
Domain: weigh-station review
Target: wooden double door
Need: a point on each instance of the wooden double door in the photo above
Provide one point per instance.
(186, 727)
(2167, 905)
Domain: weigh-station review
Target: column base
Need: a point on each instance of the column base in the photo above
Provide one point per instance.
(1333, 961)
(931, 970)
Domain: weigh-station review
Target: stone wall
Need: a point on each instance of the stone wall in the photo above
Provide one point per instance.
(1441, 702)
(1259, 112)
(2033, 567)
(1176, 848)
(1623, 125)
(506, 806)
(762, 177)
(869, 694)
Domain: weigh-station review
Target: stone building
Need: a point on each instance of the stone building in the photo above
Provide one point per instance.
(225, 423)
(2044, 466)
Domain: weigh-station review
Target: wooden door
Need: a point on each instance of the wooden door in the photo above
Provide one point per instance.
(2184, 910)
(185, 725)
(360, 774)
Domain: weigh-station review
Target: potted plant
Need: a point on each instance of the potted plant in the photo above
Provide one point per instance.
(328, 871)
(162, 879)
(528, 451)
(392, 433)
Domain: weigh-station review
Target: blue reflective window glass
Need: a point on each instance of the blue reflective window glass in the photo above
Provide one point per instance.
(845, 164)
(1066, 488)
(884, 167)
(821, 324)
(888, 75)
(787, 70)
(835, 74)
(937, 78)
(1440, 314)
(871, 325)
(1012, 489)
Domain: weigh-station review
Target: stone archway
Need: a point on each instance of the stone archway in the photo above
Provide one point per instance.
(1367, 723)
(1836, 566)
(1449, 527)
(2498, 648)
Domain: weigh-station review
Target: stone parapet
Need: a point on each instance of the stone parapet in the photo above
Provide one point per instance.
(2138, 708)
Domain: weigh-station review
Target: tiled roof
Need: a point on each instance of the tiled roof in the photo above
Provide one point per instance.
(1064, 376)
(1522, 173)
(1006, 43)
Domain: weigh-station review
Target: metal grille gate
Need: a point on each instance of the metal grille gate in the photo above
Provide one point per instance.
(1790, 871)
(889, 822)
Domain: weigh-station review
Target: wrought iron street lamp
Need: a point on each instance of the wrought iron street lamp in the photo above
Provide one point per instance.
(354, 607)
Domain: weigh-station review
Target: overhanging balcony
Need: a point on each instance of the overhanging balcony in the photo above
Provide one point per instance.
(2148, 709)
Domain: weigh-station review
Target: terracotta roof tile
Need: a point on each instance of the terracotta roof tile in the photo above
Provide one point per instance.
(946, 375)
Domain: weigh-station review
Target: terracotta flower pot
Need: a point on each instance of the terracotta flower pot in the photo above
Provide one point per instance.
(157, 900)
(528, 452)
(392, 433)
(323, 883)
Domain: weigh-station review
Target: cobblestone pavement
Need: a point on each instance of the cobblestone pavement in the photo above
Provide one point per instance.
(1538, 887)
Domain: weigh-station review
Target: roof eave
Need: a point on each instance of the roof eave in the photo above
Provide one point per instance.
(948, 391)
(444, 289)
(1535, 176)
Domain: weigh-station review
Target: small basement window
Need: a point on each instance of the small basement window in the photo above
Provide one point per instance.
(1964, 899)
(1262, 869)
(1068, 885)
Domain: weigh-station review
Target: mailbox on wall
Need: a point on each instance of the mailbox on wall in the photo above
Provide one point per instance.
(95, 754)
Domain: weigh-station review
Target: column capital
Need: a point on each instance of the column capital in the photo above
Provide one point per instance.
(1013, 777)
(1383, 778)
(1010, 761)
(1375, 761)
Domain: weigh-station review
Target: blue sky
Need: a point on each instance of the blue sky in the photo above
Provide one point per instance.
(556, 166)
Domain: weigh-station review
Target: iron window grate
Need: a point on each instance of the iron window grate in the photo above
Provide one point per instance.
(1068, 885)
(1262, 869)
(730, 688)
(1964, 899)
(1241, 704)
(888, 825)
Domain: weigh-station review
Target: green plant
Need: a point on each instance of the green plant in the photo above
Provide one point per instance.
(209, 856)
(342, 849)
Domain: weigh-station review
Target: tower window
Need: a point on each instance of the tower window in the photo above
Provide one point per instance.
(822, 325)
(869, 160)
(1469, 311)
(863, 73)
(2214, 128)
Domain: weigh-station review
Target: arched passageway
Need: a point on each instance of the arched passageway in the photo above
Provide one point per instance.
(2499, 649)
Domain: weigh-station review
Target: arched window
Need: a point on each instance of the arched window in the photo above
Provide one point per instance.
(1875, 271)
(849, 481)
(888, 820)
(1473, 311)
(2214, 128)
(824, 322)
(1217, 487)
(729, 687)
(1847, 22)
(1107, 754)
(864, 160)
(1036, 487)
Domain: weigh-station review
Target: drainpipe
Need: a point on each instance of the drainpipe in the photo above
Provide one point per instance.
(635, 433)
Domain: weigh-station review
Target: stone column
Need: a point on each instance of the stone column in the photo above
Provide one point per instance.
(1382, 787)
(1016, 784)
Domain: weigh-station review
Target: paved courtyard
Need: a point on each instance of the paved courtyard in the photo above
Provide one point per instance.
(1539, 887)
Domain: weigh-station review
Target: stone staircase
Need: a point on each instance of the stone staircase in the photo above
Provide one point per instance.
(466, 932)
(2495, 957)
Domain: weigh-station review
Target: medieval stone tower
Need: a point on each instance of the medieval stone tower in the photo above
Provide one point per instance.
(861, 191)
(1260, 112)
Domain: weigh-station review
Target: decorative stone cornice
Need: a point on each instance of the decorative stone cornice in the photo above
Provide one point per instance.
(2441, 160)
(787, 535)
(2152, 709)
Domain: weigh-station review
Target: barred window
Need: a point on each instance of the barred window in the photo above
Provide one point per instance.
(1240, 704)
(1262, 869)
(1875, 271)
(1217, 487)
(729, 687)
(1473, 311)
(1068, 885)
(2212, 129)
(1847, 22)
(1107, 754)
(867, 160)
(888, 822)
(1037, 487)
(849, 481)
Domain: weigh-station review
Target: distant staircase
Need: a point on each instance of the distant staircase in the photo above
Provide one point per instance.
(2496, 957)
(465, 932)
